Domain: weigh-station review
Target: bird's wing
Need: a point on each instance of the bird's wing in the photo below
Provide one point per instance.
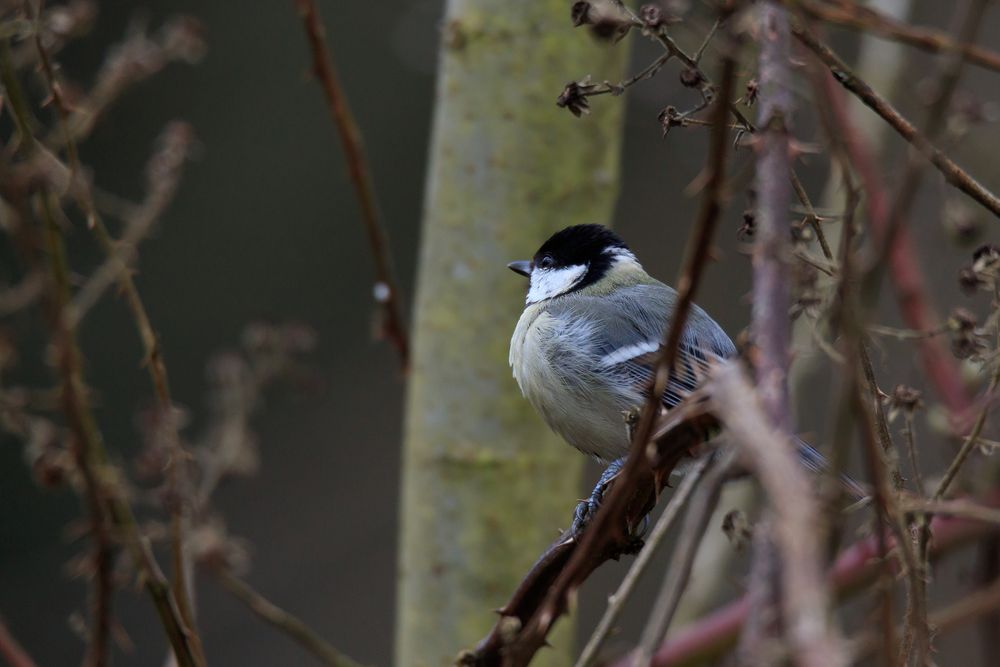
(628, 326)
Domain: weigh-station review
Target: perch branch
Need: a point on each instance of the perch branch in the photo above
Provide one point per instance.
(617, 601)
(678, 573)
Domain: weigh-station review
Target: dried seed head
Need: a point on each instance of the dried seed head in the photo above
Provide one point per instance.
(691, 77)
(986, 258)
(961, 222)
(905, 398)
(574, 97)
(962, 320)
(967, 341)
(670, 117)
(737, 528)
(651, 15)
(748, 227)
(968, 281)
(750, 96)
(607, 20)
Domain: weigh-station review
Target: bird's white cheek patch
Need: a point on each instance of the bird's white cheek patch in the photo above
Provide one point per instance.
(547, 283)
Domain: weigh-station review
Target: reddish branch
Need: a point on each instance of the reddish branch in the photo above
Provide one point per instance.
(953, 174)
(855, 568)
(386, 289)
(905, 272)
(865, 19)
(11, 651)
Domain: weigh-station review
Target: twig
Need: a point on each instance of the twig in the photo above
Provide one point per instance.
(972, 606)
(11, 650)
(387, 292)
(617, 601)
(805, 600)
(92, 457)
(858, 17)
(945, 85)
(163, 177)
(853, 569)
(679, 571)
(963, 508)
(906, 275)
(284, 621)
(970, 440)
(953, 174)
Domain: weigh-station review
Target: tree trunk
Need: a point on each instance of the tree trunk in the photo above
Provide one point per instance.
(485, 484)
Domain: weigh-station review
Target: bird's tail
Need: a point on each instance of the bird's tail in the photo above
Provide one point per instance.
(817, 463)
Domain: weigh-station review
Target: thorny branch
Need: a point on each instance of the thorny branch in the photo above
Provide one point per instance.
(387, 292)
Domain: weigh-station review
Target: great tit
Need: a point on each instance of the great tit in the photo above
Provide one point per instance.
(585, 348)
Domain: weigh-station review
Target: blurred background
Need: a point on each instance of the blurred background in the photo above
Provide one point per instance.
(265, 226)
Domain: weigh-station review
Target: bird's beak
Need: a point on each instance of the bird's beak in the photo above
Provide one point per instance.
(523, 267)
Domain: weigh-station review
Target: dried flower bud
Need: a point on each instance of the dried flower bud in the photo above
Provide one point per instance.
(905, 398)
(985, 258)
(574, 97)
(691, 77)
(748, 227)
(961, 222)
(737, 528)
(962, 320)
(579, 13)
(607, 20)
(670, 117)
(968, 281)
(46, 454)
(750, 96)
(966, 340)
(651, 15)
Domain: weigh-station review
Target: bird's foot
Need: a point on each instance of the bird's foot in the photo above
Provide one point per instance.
(587, 509)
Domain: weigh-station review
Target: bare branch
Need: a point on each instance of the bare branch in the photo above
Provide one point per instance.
(865, 19)
(283, 621)
(805, 599)
(953, 174)
(387, 292)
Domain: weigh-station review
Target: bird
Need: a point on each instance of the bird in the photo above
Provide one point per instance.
(585, 348)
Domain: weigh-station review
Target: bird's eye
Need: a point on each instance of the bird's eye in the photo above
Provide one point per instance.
(546, 262)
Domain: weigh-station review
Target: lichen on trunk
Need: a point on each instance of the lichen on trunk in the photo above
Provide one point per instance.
(485, 484)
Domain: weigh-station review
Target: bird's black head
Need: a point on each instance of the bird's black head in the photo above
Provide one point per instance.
(572, 259)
